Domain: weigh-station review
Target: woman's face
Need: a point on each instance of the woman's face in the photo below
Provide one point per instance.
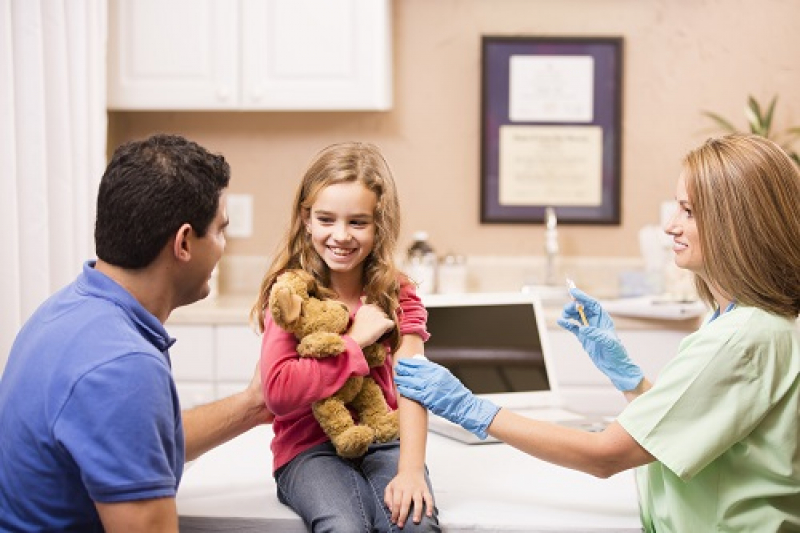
(683, 230)
(341, 223)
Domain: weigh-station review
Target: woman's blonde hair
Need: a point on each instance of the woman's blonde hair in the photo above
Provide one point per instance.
(745, 192)
(343, 163)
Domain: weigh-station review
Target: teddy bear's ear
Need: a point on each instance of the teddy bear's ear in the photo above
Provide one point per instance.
(289, 305)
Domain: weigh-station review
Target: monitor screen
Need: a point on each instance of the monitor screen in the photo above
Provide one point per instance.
(493, 342)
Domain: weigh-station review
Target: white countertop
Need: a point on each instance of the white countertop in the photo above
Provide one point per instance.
(633, 313)
(490, 487)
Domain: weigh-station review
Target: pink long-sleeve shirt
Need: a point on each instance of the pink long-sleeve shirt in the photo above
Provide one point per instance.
(292, 383)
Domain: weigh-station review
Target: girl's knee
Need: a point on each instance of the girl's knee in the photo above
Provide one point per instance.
(338, 524)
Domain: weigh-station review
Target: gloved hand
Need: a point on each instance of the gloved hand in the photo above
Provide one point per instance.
(600, 341)
(443, 394)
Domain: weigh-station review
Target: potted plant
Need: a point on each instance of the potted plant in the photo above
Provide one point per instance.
(760, 123)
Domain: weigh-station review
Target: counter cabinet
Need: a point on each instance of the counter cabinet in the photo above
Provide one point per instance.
(211, 361)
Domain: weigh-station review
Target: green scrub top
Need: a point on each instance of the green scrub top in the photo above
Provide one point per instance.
(722, 423)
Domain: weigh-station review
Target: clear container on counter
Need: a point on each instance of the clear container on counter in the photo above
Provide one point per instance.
(452, 274)
(421, 263)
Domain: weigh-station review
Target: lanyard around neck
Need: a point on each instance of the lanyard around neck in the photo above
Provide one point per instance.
(717, 313)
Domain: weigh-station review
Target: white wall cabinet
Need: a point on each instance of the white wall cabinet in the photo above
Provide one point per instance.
(250, 55)
(212, 361)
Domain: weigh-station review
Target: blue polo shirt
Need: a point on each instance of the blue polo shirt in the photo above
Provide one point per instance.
(88, 410)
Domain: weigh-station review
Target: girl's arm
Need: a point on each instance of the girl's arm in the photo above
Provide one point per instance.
(291, 382)
(409, 485)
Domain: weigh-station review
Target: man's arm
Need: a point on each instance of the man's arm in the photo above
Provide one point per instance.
(146, 516)
(207, 426)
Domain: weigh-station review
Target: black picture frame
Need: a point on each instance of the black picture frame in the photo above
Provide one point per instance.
(594, 122)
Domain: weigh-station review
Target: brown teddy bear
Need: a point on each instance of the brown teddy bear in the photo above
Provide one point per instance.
(318, 324)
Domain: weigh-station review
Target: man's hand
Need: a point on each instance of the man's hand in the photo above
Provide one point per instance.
(255, 394)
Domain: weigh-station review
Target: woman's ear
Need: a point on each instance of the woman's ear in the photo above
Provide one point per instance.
(181, 245)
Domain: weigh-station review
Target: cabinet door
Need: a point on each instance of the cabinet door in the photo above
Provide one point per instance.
(238, 349)
(176, 54)
(194, 394)
(192, 358)
(192, 354)
(315, 55)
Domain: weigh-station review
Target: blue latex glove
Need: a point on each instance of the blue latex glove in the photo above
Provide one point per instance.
(600, 341)
(443, 394)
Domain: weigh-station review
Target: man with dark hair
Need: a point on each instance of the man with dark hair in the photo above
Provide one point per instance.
(91, 433)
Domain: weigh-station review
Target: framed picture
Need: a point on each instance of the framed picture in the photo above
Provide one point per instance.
(550, 129)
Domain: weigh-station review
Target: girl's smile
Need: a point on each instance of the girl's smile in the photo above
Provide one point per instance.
(342, 227)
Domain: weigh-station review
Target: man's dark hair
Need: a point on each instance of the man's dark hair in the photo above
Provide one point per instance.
(149, 189)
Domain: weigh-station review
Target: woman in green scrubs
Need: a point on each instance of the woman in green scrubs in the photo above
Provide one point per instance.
(718, 436)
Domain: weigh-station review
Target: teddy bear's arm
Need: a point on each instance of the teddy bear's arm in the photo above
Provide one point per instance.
(321, 344)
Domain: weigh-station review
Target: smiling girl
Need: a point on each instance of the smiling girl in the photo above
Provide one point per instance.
(344, 228)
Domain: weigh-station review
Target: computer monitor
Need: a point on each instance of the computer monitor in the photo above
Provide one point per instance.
(496, 344)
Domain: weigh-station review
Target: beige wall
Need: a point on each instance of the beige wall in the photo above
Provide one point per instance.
(681, 57)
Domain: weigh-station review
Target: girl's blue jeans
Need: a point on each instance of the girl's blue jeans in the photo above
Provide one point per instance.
(337, 495)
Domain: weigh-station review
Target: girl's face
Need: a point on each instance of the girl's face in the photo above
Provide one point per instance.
(341, 223)
(683, 229)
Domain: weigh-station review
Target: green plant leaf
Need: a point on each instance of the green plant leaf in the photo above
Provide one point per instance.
(721, 122)
(767, 122)
(791, 135)
(760, 123)
(752, 113)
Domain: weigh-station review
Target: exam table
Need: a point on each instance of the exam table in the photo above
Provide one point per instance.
(488, 487)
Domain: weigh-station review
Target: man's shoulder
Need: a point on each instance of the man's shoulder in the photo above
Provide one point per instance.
(78, 331)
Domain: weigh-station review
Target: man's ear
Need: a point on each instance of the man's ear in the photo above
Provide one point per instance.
(181, 244)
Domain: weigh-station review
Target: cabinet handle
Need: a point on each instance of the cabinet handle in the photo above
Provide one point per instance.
(223, 93)
(257, 94)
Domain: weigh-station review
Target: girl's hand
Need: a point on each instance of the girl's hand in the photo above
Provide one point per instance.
(369, 325)
(405, 489)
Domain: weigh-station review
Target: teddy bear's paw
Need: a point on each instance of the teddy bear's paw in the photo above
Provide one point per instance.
(386, 427)
(354, 442)
(375, 354)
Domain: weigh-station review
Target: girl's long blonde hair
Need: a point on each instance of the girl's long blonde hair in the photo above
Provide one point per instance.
(745, 192)
(343, 163)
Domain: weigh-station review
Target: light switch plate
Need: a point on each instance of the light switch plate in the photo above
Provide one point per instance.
(240, 215)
